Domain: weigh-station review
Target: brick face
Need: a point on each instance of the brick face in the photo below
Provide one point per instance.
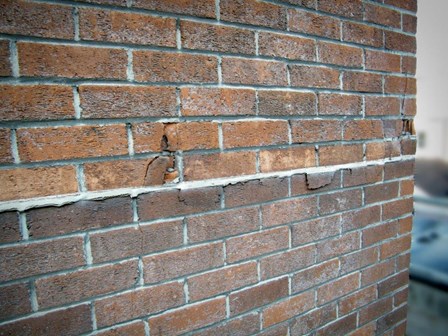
(232, 167)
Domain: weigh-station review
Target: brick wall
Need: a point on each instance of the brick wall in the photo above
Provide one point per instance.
(208, 167)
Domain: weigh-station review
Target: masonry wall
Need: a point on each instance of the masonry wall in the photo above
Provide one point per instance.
(207, 167)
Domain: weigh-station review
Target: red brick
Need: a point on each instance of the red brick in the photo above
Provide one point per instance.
(333, 53)
(360, 218)
(209, 166)
(286, 103)
(376, 105)
(377, 60)
(138, 303)
(250, 71)
(204, 36)
(287, 309)
(191, 135)
(5, 66)
(393, 128)
(362, 82)
(400, 42)
(340, 154)
(313, 24)
(69, 61)
(285, 46)
(409, 23)
(254, 13)
(396, 246)
(178, 263)
(311, 231)
(256, 191)
(157, 66)
(149, 137)
(409, 107)
(9, 225)
(5, 146)
(347, 8)
(59, 143)
(221, 281)
(38, 258)
(373, 235)
(119, 27)
(405, 225)
(408, 146)
(318, 182)
(362, 175)
(287, 159)
(410, 5)
(135, 241)
(212, 101)
(375, 310)
(70, 321)
(362, 34)
(340, 327)
(401, 297)
(403, 261)
(337, 288)
(188, 318)
(375, 273)
(15, 300)
(382, 15)
(408, 64)
(363, 129)
(36, 19)
(357, 300)
(305, 323)
(316, 77)
(315, 275)
(381, 192)
(81, 285)
(246, 325)
(107, 2)
(400, 85)
(334, 247)
(177, 202)
(223, 224)
(20, 183)
(260, 295)
(393, 318)
(406, 187)
(340, 201)
(256, 244)
(397, 208)
(288, 211)
(206, 8)
(358, 260)
(79, 216)
(255, 133)
(133, 329)
(382, 150)
(304, 131)
(98, 101)
(287, 262)
(338, 104)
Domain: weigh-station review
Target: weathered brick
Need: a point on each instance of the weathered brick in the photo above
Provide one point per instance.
(363, 129)
(132, 329)
(288, 211)
(347, 8)
(287, 159)
(258, 296)
(408, 146)
(119, 27)
(285, 46)
(397, 208)
(362, 34)
(81, 285)
(333, 53)
(410, 5)
(377, 105)
(254, 13)
(178, 263)
(250, 71)
(59, 143)
(337, 288)
(98, 101)
(381, 61)
(405, 225)
(357, 300)
(400, 42)
(393, 128)
(339, 104)
(157, 66)
(286, 103)
(9, 225)
(382, 150)
(5, 146)
(15, 300)
(396, 246)
(188, 318)
(209, 166)
(381, 192)
(245, 325)
(375, 310)
(177, 202)
(360, 218)
(391, 319)
(409, 107)
(137, 303)
(382, 15)
(39, 258)
(358, 260)
(315, 275)
(202, 36)
(408, 64)
(318, 182)
(149, 137)
(135, 241)
(222, 280)
(334, 247)
(191, 135)
(5, 66)
(375, 273)
(342, 326)
(69, 61)
(305, 323)
(340, 201)
(401, 297)
(362, 175)
(79, 216)
(36, 19)
(69, 321)
(362, 82)
(292, 306)
(313, 24)
(20, 183)
(340, 154)
(212, 101)
(303, 131)
(255, 133)
(400, 85)
(205, 8)
(316, 77)
(311, 231)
